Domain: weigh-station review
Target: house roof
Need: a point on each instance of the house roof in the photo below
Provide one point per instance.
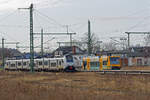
(69, 50)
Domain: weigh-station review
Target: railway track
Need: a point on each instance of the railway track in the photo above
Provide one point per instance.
(105, 71)
(121, 71)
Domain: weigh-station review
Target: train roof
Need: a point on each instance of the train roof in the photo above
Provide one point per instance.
(34, 59)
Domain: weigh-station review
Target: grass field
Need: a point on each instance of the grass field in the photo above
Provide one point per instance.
(73, 86)
(136, 68)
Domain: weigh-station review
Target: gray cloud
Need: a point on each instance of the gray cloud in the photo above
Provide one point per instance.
(14, 4)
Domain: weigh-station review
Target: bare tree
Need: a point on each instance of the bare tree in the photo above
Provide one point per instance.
(109, 46)
(94, 42)
(147, 40)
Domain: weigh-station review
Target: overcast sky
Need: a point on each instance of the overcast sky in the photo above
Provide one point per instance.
(109, 18)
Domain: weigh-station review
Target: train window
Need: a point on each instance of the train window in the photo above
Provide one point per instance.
(19, 64)
(46, 63)
(94, 64)
(114, 58)
(24, 63)
(53, 64)
(40, 63)
(12, 65)
(104, 62)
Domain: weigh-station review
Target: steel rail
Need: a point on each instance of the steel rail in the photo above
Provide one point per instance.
(120, 71)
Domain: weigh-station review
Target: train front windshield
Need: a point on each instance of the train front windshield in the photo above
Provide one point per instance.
(69, 58)
(114, 60)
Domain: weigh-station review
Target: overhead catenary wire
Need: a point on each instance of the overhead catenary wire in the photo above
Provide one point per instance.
(55, 22)
(8, 15)
(137, 24)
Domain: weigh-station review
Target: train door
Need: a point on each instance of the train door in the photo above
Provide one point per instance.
(19, 65)
(84, 64)
(25, 65)
(7, 65)
(46, 64)
(13, 65)
(60, 64)
(53, 65)
(39, 64)
(105, 62)
(49, 61)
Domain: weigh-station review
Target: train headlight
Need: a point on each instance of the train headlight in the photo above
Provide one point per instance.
(70, 67)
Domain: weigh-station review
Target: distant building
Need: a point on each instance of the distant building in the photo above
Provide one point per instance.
(134, 56)
(63, 50)
(139, 56)
(10, 53)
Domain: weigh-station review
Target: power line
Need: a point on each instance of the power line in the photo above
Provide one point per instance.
(137, 24)
(50, 18)
(17, 26)
(10, 14)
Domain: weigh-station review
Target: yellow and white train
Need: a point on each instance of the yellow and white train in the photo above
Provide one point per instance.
(101, 63)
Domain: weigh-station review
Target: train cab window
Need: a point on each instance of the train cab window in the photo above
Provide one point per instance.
(75, 58)
(19, 64)
(24, 63)
(69, 58)
(104, 62)
(114, 60)
(40, 63)
(46, 63)
(53, 64)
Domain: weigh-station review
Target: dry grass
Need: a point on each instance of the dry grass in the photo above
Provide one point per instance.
(73, 86)
(136, 68)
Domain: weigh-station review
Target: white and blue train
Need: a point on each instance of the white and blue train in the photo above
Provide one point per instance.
(65, 63)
